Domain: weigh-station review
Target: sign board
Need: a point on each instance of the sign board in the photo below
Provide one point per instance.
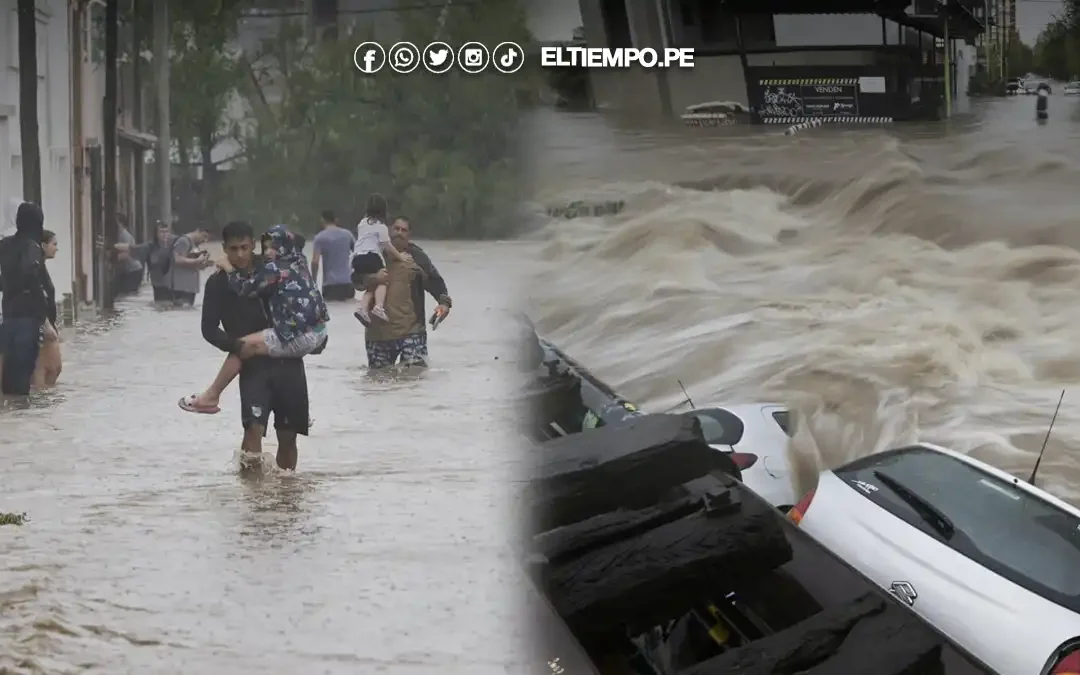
(810, 97)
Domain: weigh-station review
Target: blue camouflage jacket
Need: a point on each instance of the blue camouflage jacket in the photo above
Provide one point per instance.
(293, 299)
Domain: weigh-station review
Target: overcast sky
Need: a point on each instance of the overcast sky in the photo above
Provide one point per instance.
(1033, 15)
(556, 19)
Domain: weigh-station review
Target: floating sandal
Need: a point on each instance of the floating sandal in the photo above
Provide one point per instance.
(187, 404)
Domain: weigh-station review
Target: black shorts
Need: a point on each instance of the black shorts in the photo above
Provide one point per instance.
(367, 263)
(338, 292)
(276, 386)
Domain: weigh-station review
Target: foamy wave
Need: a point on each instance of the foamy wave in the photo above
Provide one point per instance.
(887, 289)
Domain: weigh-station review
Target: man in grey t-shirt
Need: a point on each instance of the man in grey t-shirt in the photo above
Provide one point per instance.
(332, 247)
(184, 278)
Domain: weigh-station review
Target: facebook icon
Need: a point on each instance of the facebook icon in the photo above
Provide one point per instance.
(369, 58)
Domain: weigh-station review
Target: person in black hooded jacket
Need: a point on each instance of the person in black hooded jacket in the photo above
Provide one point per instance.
(25, 306)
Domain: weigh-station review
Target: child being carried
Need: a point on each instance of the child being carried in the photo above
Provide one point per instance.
(297, 312)
(372, 244)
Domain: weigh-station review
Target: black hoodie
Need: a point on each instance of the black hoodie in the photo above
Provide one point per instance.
(22, 265)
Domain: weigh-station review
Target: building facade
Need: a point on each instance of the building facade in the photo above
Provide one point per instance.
(54, 128)
(881, 63)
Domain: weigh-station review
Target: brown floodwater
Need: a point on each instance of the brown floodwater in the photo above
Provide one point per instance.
(146, 552)
(889, 283)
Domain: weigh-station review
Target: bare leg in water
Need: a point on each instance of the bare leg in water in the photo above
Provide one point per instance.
(287, 450)
(254, 345)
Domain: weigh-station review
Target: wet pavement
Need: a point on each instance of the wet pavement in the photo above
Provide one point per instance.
(146, 552)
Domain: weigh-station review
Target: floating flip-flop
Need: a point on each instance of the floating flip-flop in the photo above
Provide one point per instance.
(187, 404)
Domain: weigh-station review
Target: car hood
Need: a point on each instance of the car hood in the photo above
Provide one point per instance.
(1001, 623)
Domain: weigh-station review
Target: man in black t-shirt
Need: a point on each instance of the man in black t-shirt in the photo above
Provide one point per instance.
(266, 384)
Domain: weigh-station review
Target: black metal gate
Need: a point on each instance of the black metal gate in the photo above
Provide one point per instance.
(97, 231)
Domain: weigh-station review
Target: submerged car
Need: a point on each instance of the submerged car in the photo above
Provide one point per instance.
(756, 435)
(1072, 88)
(988, 559)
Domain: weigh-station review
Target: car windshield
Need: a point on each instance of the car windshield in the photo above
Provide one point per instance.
(1015, 534)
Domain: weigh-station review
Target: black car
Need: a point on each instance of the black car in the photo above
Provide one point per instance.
(647, 547)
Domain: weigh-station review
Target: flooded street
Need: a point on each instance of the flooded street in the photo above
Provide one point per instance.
(146, 552)
(888, 283)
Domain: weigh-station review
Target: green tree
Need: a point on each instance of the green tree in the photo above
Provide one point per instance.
(1057, 49)
(442, 148)
(205, 75)
(1019, 56)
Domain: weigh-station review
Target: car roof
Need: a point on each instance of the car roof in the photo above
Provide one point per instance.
(741, 409)
(1030, 489)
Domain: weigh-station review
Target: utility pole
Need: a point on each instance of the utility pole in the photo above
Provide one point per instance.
(163, 156)
(28, 102)
(137, 218)
(108, 148)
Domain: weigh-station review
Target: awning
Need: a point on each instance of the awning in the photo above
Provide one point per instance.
(814, 7)
(141, 139)
(961, 21)
(960, 13)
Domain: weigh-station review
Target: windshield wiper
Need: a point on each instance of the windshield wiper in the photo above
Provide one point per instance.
(927, 511)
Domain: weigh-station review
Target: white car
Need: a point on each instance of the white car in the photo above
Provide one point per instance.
(987, 559)
(1072, 88)
(756, 435)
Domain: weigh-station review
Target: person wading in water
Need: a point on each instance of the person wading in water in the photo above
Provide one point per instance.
(25, 304)
(332, 248)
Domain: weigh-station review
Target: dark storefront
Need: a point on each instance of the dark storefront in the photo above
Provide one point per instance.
(903, 81)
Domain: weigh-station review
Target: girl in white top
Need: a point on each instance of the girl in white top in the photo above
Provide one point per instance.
(372, 244)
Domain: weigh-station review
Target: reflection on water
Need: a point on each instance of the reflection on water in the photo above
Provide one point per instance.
(887, 283)
(148, 553)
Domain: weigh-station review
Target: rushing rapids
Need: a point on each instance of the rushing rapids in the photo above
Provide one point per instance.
(887, 284)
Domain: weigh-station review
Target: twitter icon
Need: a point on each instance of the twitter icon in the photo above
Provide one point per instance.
(438, 58)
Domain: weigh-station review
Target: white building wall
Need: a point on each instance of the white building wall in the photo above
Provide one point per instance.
(54, 113)
(817, 30)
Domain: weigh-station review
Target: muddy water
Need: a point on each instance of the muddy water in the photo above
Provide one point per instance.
(147, 553)
(889, 284)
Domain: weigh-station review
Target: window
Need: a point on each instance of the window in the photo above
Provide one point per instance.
(783, 418)
(1014, 534)
(616, 23)
(705, 24)
(719, 426)
(96, 43)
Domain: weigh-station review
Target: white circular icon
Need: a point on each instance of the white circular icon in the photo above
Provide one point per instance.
(404, 57)
(369, 57)
(438, 57)
(473, 57)
(507, 57)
